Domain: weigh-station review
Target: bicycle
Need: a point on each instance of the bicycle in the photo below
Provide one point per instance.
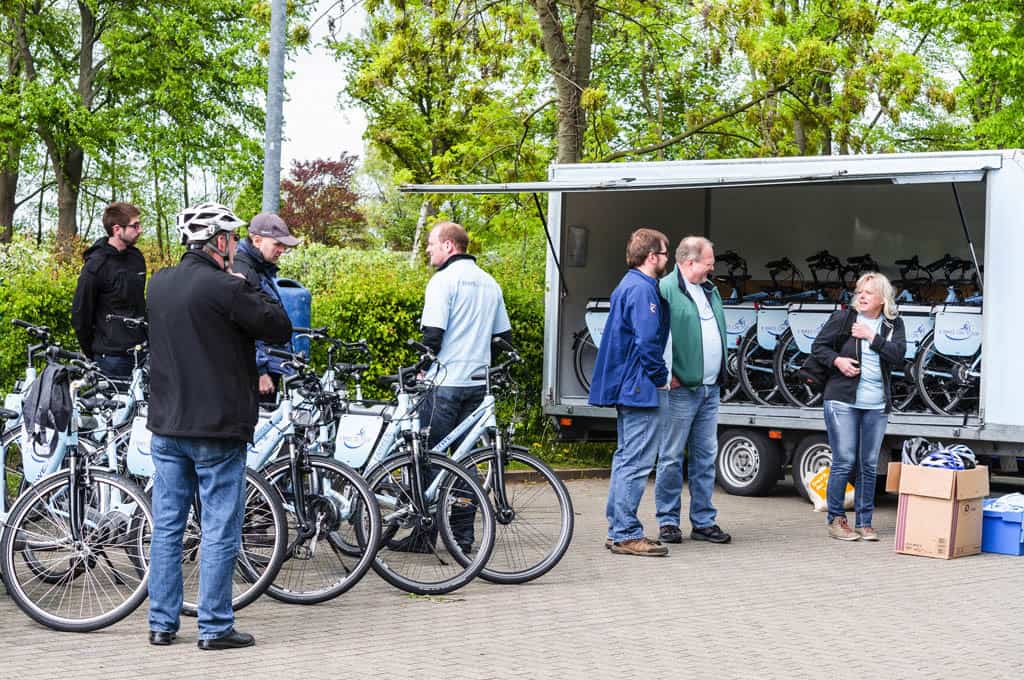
(63, 539)
(423, 495)
(334, 522)
(947, 368)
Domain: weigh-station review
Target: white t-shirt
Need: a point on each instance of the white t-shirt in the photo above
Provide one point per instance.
(709, 334)
(466, 302)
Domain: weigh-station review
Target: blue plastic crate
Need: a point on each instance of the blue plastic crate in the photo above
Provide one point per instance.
(1003, 532)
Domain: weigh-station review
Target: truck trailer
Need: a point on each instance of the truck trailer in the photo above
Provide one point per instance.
(930, 205)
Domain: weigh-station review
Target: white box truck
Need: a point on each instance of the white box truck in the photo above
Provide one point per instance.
(891, 206)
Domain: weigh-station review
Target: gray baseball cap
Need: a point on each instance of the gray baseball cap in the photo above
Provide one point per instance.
(271, 226)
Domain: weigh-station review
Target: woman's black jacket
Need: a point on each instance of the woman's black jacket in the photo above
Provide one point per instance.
(835, 340)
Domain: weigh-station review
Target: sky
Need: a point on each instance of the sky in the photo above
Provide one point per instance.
(315, 124)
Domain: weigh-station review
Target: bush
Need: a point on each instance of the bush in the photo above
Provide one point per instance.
(357, 294)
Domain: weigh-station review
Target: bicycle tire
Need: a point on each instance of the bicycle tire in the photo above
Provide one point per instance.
(732, 378)
(757, 374)
(397, 561)
(584, 354)
(944, 383)
(256, 567)
(787, 361)
(549, 529)
(903, 387)
(351, 556)
(45, 499)
(13, 475)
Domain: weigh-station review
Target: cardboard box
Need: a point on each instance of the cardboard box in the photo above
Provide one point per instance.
(940, 511)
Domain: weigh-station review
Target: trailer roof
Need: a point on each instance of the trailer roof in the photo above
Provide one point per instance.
(959, 166)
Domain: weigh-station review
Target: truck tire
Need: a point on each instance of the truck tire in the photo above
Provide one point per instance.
(811, 455)
(748, 462)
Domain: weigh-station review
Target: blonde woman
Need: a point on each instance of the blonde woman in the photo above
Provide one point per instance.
(862, 345)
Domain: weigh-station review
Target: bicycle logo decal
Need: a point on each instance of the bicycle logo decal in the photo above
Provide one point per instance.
(918, 332)
(812, 334)
(740, 326)
(354, 440)
(777, 330)
(964, 332)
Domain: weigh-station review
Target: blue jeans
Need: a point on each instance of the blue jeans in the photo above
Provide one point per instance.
(855, 435)
(216, 468)
(691, 426)
(115, 365)
(639, 436)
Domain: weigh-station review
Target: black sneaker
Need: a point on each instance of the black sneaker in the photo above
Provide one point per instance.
(713, 533)
(670, 533)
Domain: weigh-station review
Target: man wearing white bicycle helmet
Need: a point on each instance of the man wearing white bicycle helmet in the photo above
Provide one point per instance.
(204, 321)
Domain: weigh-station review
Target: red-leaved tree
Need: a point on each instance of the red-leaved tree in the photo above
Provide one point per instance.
(318, 202)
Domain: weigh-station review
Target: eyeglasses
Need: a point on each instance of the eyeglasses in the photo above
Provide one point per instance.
(134, 225)
(660, 252)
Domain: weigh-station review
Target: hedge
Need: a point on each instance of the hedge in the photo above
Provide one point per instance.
(371, 295)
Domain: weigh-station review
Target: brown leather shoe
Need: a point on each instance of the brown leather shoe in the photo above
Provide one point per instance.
(840, 529)
(867, 533)
(642, 547)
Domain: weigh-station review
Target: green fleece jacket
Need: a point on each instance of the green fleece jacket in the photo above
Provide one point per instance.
(684, 321)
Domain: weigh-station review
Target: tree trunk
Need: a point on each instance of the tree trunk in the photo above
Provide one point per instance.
(8, 191)
(426, 210)
(571, 69)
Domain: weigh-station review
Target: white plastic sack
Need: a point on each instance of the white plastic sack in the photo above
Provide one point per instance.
(817, 487)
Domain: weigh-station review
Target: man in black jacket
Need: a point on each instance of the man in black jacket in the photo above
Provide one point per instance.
(204, 321)
(256, 259)
(112, 281)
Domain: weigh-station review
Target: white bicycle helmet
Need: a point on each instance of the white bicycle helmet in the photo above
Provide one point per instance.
(199, 224)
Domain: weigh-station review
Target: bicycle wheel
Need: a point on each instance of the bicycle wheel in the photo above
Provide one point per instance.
(345, 528)
(534, 522)
(757, 374)
(584, 354)
(264, 539)
(903, 387)
(13, 474)
(410, 556)
(948, 385)
(103, 577)
(732, 378)
(787, 361)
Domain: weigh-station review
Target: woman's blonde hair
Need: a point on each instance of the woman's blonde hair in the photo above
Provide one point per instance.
(881, 285)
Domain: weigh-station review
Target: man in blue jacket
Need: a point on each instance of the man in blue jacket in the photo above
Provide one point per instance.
(630, 374)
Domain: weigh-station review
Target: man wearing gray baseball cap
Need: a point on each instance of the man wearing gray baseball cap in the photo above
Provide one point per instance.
(256, 259)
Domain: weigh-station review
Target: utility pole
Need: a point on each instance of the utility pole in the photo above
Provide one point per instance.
(275, 103)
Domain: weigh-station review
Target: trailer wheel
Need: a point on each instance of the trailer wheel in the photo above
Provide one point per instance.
(748, 462)
(811, 455)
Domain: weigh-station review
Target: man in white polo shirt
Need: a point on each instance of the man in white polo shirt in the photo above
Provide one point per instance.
(463, 310)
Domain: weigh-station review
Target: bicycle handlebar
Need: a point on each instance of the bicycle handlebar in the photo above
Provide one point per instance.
(8, 415)
(40, 332)
(55, 352)
(129, 321)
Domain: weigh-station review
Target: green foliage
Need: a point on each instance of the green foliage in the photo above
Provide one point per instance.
(33, 290)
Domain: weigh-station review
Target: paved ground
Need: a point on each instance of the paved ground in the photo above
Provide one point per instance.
(782, 601)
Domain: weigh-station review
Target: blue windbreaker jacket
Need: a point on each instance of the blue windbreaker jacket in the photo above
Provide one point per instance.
(630, 364)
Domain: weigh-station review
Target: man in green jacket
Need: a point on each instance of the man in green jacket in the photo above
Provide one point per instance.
(697, 325)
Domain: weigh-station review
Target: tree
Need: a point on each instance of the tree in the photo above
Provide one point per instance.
(318, 202)
(107, 80)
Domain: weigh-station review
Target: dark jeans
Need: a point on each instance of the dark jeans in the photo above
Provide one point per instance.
(115, 365)
(442, 410)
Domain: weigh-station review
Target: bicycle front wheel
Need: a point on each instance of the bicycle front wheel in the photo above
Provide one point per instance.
(13, 473)
(533, 517)
(788, 360)
(81, 580)
(456, 511)
(264, 539)
(335, 549)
